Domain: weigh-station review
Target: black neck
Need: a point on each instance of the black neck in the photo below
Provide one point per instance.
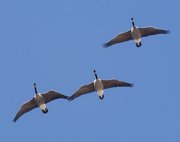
(133, 23)
(132, 20)
(96, 76)
(35, 90)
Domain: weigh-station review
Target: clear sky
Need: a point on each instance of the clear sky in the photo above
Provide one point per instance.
(57, 44)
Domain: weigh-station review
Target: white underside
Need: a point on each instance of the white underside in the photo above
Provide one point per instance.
(137, 40)
(40, 101)
(100, 93)
(136, 35)
(43, 106)
(99, 87)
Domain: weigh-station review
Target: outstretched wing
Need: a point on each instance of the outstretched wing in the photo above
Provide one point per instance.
(122, 37)
(52, 95)
(147, 31)
(25, 108)
(115, 83)
(84, 89)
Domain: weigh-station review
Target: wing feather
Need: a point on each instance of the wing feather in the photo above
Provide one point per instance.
(147, 31)
(122, 37)
(84, 89)
(25, 108)
(52, 95)
(115, 83)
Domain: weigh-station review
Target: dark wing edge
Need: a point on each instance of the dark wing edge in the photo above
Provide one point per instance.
(84, 89)
(122, 37)
(25, 108)
(52, 95)
(115, 83)
(148, 31)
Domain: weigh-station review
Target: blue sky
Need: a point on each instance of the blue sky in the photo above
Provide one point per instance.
(58, 44)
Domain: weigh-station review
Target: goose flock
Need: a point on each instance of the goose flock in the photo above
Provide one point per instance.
(98, 85)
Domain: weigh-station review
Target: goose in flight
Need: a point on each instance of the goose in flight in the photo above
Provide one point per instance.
(99, 85)
(39, 100)
(135, 34)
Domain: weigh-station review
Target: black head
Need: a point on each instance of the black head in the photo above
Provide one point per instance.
(95, 74)
(132, 20)
(35, 88)
(34, 85)
(45, 111)
(101, 97)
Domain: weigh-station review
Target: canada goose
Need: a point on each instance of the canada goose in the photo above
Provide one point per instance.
(39, 100)
(136, 34)
(99, 85)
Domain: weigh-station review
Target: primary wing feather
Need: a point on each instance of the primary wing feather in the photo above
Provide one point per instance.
(115, 83)
(84, 89)
(147, 31)
(25, 108)
(122, 37)
(52, 95)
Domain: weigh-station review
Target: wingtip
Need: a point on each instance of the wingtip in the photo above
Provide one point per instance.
(167, 31)
(105, 45)
(131, 85)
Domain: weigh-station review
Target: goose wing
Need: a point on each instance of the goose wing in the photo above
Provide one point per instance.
(25, 108)
(119, 38)
(52, 95)
(147, 31)
(115, 83)
(84, 89)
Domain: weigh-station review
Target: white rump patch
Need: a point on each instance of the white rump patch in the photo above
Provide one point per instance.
(138, 40)
(100, 93)
(43, 106)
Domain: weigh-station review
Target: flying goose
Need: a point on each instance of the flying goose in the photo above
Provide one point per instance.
(136, 34)
(39, 100)
(99, 85)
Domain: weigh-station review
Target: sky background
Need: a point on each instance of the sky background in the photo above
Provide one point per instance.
(57, 44)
